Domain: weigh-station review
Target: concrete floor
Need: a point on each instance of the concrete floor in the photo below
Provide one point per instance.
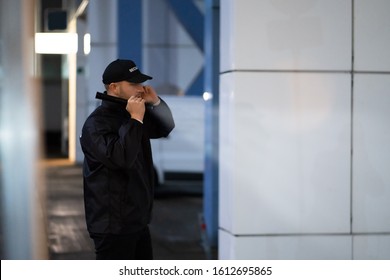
(175, 229)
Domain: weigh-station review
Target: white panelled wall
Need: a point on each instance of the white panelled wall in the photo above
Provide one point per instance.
(304, 129)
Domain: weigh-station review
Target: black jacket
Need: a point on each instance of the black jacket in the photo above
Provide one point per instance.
(118, 167)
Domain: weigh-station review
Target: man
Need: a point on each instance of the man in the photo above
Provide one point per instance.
(118, 167)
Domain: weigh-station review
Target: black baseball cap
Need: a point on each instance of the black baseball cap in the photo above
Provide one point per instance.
(123, 70)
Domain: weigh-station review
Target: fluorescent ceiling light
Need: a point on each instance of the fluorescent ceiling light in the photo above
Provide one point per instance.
(56, 43)
(87, 43)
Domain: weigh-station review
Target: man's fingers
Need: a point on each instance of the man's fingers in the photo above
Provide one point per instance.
(136, 99)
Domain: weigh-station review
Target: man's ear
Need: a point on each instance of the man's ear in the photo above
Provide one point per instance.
(113, 89)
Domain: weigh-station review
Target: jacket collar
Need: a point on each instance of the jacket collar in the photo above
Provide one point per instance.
(112, 105)
(116, 108)
(107, 103)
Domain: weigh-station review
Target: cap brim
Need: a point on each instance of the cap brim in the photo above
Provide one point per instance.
(141, 78)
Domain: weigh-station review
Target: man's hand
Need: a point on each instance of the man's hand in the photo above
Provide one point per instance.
(136, 108)
(150, 95)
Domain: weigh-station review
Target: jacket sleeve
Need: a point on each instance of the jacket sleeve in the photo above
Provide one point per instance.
(116, 150)
(159, 120)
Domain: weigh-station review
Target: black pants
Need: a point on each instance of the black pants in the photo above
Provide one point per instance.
(135, 246)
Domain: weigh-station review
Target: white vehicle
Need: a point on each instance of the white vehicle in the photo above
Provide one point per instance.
(182, 152)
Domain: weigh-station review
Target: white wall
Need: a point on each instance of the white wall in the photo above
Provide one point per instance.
(371, 131)
(293, 107)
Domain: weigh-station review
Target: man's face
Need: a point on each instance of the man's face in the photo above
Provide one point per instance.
(126, 89)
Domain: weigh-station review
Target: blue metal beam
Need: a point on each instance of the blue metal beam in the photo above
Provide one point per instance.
(196, 88)
(130, 30)
(191, 19)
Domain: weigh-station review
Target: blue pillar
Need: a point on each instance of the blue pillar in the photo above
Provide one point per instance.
(130, 30)
(211, 85)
